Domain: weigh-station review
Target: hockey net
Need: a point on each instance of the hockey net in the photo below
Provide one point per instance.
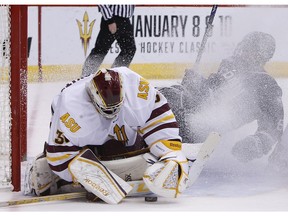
(5, 110)
(13, 85)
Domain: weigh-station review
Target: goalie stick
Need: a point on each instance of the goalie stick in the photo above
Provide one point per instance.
(203, 156)
(57, 197)
(139, 187)
(139, 190)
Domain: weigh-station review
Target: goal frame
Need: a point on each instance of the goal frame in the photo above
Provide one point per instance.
(18, 88)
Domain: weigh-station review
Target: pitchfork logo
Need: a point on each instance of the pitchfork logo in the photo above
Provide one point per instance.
(85, 34)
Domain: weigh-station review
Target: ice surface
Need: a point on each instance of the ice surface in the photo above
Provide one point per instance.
(224, 185)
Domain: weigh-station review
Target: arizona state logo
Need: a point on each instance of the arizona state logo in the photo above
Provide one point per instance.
(70, 122)
(85, 34)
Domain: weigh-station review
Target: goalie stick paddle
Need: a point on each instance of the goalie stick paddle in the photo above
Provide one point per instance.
(203, 156)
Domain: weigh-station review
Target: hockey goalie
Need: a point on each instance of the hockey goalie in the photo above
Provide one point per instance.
(107, 129)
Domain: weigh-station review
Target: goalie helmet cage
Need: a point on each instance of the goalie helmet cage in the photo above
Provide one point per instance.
(13, 94)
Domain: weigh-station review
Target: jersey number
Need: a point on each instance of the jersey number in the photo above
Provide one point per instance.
(120, 133)
(60, 139)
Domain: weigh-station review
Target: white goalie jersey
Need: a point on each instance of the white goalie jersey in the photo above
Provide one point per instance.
(76, 123)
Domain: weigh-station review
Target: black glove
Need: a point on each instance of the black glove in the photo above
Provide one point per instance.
(252, 147)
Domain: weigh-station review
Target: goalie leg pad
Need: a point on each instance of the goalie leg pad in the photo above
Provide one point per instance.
(129, 169)
(39, 178)
(97, 178)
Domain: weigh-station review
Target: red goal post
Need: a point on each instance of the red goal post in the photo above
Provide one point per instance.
(13, 101)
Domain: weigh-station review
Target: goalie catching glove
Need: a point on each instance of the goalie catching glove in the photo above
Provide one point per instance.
(168, 176)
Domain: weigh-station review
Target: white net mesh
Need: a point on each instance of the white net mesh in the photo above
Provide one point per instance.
(5, 111)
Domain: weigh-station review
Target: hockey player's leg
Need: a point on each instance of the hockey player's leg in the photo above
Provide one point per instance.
(92, 64)
(126, 42)
(102, 45)
(129, 169)
(97, 178)
(40, 180)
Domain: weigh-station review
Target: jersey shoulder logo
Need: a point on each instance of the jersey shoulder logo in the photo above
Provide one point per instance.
(143, 89)
(70, 122)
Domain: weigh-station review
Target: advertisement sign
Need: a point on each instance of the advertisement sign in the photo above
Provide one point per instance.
(164, 35)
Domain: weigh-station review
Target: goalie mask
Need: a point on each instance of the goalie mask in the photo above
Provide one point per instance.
(106, 92)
